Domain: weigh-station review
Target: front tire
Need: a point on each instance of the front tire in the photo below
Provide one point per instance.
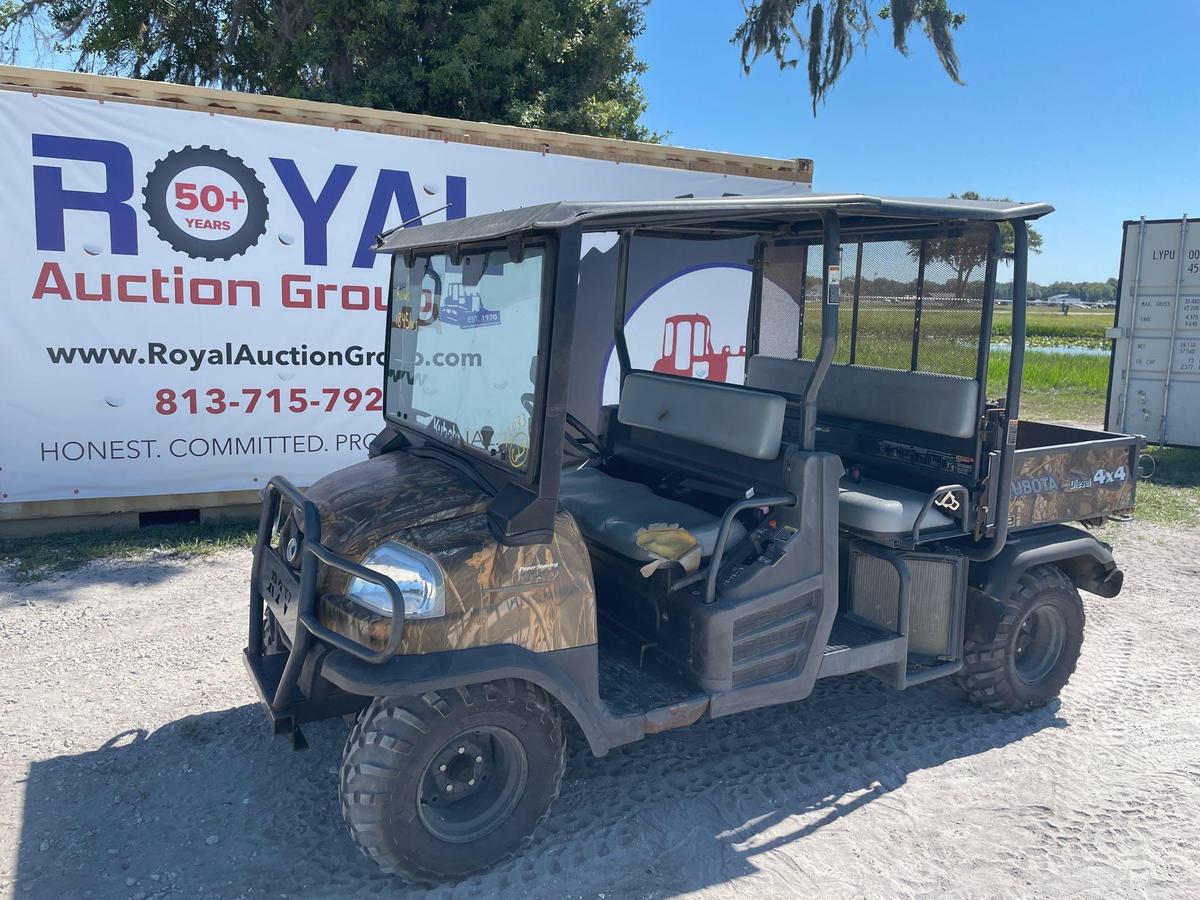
(1036, 646)
(274, 639)
(451, 782)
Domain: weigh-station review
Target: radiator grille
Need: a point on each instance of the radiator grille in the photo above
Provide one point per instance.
(875, 596)
(875, 590)
(932, 614)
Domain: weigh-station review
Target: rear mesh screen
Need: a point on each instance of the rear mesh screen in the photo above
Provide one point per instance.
(782, 304)
(913, 304)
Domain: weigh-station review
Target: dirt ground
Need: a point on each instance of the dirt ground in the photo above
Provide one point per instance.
(134, 764)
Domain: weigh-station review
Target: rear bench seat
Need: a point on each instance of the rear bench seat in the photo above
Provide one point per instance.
(610, 511)
(922, 401)
(886, 509)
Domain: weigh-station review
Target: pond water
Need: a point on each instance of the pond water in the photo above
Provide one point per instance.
(1068, 349)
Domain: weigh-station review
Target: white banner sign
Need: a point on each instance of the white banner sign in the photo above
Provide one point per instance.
(190, 301)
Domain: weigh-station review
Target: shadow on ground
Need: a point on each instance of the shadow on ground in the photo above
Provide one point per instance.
(209, 805)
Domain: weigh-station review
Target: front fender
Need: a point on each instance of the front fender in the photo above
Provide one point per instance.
(569, 676)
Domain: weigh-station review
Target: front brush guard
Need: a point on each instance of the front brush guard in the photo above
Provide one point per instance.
(277, 685)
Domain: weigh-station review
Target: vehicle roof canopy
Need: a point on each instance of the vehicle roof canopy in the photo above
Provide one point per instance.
(729, 216)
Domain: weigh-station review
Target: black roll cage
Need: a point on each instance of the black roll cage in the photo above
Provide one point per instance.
(524, 503)
(524, 507)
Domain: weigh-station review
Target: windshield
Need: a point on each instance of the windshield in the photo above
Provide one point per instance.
(462, 350)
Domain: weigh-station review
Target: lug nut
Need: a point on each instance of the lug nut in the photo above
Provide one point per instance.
(442, 767)
(472, 781)
(462, 749)
(449, 787)
(479, 759)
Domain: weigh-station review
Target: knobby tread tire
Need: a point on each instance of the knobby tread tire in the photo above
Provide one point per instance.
(989, 676)
(395, 735)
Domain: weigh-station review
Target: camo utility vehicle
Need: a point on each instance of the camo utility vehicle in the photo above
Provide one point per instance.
(859, 501)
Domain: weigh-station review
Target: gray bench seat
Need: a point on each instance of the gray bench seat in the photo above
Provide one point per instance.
(610, 511)
(922, 401)
(881, 508)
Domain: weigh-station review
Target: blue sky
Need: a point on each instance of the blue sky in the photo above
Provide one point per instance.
(1092, 106)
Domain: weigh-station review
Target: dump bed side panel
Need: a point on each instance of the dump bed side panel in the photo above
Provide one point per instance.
(1073, 482)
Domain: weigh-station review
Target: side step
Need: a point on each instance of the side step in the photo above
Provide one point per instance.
(643, 692)
(855, 646)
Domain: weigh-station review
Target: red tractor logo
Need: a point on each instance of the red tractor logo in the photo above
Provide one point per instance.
(687, 349)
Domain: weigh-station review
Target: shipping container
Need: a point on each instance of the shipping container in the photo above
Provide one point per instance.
(1154, 377)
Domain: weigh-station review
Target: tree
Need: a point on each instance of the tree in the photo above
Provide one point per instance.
(829, 31)
(967, 252)
(566, 65)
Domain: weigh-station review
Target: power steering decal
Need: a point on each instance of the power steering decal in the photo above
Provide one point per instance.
(206, 203)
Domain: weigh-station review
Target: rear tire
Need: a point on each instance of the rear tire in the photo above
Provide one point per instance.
(451, 782)
(1036, 646)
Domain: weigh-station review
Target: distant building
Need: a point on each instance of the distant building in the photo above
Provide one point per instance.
(1065, 300)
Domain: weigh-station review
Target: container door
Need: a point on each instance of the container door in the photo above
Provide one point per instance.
(1155, 379)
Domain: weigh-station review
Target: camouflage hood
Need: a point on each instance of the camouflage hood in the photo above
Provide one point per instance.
(539, 597)
(366, 504)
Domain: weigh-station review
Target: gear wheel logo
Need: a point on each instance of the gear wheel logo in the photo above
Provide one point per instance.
(206, 203)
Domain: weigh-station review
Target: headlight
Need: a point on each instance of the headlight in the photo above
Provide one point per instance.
(418, 576)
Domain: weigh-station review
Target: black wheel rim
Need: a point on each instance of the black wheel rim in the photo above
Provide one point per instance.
(472, 784)
(1040, 642)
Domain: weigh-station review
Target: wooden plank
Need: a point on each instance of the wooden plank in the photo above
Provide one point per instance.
(335, 115)
(105, 506)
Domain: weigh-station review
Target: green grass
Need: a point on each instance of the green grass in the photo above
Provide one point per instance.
(1046, 326)
(30, 559)
(1057, 387)
(1171, 495)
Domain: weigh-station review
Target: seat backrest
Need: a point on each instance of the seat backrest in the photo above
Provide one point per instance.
(723, 416)
(923, 401)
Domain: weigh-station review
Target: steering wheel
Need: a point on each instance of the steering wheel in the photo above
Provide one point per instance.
(586, 441)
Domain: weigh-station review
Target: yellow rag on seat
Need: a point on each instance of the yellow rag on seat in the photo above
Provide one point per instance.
(667, 544)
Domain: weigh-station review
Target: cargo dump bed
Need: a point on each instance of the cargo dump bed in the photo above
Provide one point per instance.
(1067, 474)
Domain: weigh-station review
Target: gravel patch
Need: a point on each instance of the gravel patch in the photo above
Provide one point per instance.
(134, 763)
